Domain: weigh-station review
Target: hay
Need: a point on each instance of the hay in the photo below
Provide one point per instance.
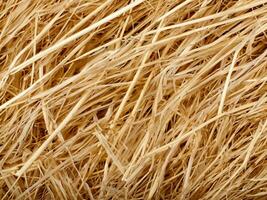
(140, 99)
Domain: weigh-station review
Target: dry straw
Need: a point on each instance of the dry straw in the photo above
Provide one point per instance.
(140, 99)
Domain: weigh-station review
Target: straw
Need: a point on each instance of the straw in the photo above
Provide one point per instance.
(140, 99)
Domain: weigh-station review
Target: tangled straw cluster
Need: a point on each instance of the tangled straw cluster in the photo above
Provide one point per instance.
(140, 99)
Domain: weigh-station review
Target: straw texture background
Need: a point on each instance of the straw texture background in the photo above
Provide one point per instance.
(133, 99)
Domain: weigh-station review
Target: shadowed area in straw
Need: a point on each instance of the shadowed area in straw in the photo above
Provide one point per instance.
(140, 99)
